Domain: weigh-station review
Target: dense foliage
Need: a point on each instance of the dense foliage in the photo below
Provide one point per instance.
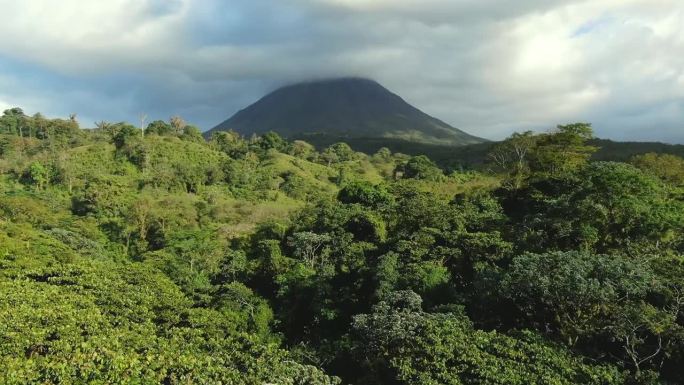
(156, 257)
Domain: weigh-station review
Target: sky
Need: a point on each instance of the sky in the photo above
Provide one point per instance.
(488, 67)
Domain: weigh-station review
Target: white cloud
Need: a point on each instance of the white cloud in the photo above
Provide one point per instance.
(73, 36)
(483, 65)
(4, 105)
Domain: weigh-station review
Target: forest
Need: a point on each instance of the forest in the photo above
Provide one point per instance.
(158, 256)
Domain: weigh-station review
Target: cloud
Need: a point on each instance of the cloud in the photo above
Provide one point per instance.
(4, 105)
(485, 66)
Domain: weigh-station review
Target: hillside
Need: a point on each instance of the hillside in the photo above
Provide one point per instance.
(163, 259)
(345, 108)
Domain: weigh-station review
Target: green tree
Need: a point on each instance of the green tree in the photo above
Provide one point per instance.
(421, 167)
(563, 150)
(230, 143)
(337, 153)
(383, 154)
(38, 175)
(512, 156)
(13, 121)
(606, 206)
(271, 140)
(584, 299)
(177, 124)
(523, 155)
(398, 343)
(192, 134)
(125, 135)
(365, 193)
(669, 168)
(310, 247)
(573, 292)
(301, 149)
(159, 127)
(621, 205)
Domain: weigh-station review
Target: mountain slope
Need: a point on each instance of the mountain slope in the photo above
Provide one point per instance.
(344, 108)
